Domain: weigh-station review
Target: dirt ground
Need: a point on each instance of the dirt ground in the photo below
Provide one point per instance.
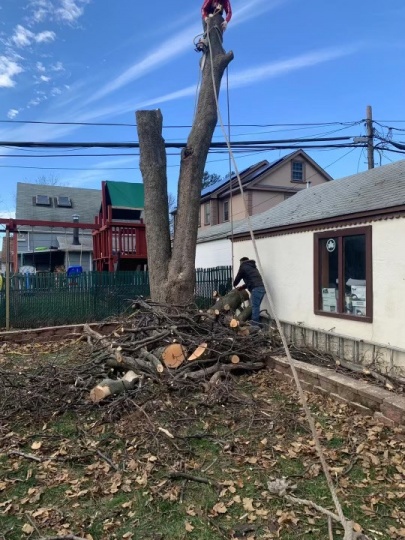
(161, 465)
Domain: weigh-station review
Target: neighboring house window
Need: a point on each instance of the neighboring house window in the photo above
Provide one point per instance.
(343, 274)
(297, 171)
(207, 213)
(64, 202)
(226, 210)
(42, 200)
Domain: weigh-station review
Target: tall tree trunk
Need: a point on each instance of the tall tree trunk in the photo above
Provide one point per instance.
(172, 275)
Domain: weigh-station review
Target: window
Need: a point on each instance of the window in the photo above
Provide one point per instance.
(42, 200)
(343, 274)
(297, 171)
(226, 210)
(64, 202)
(207, 213)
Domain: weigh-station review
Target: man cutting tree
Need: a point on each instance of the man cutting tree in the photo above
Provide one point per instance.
(213, 7)
(209, 9)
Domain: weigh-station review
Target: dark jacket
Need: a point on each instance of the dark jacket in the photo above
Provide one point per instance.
(250, 275)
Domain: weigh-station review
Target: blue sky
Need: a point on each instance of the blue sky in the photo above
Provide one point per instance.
(99, 61)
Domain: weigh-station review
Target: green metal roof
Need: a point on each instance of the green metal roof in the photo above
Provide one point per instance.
(125, 195)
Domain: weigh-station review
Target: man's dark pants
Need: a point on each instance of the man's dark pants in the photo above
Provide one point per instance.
(257, 295)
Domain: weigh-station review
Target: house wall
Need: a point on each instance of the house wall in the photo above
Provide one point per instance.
(282, 176)
(264, 200)
(288, 267)
(216, 253)
(74, 259)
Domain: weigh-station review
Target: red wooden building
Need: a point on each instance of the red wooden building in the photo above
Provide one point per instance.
(119, 238)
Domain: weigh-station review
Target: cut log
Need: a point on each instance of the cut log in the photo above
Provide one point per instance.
(245, 314)
(234, 358)
(199, 353)
(230, 301)
(234, 323)
(243, 331)
(153, 359)
(112, 387)
(172, 355)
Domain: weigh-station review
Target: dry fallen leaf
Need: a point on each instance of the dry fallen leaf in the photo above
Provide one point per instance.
(188, 526)
(220, 508)
(248, 504)
(36, 445)
(27, 529)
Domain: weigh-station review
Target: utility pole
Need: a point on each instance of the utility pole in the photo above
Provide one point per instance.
(8, 278)
(370, 137)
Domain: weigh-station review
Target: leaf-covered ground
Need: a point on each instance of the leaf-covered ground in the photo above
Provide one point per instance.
(165, 466)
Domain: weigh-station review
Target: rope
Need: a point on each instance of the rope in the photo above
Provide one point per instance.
(347, 525)
(230, 171)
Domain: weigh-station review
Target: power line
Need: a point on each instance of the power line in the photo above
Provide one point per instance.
(128, 124)
(31, 144)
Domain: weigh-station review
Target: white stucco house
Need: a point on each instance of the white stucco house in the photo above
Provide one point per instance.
(334, 259)
(214, 247)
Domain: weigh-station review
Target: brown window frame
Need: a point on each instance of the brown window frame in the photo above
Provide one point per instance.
(302, 181)
(338, 235)
(207, 221)
(223, 210)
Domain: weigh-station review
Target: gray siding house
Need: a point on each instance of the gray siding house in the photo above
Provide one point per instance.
(47, 248)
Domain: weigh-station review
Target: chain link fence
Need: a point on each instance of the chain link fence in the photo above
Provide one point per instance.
(52, 299)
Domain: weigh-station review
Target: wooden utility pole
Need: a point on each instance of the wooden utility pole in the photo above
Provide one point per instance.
(370, 137)
(8, 278)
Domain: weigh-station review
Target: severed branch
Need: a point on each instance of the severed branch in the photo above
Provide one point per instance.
(187, 476)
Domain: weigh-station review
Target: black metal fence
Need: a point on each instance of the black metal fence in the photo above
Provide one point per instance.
(53, 299)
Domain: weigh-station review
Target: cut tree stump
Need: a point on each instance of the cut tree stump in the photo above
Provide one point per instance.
(112, 387)
(230, 301)
(199, 353)
(172, 355)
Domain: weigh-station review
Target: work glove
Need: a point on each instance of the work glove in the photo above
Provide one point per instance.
(224, 26)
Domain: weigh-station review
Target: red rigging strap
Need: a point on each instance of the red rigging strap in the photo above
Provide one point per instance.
(210, 7)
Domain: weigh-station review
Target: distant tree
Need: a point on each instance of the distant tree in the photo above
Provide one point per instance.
(210, 179)
(50, 180)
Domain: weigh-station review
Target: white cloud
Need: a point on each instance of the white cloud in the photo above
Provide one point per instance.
(12, 113)
(40, 67)
(177, 45)
(44, 78)
(256, 74)
(69, 10)
(55, 91)
(247, 77)
(45, 37)
(66, 11)
(57, 67)
(23, 37)
(8, 69)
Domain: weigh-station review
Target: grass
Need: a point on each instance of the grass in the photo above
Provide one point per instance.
(108, 473)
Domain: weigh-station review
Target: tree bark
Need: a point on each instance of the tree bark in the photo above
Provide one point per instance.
(153, 167)
(173, 274)
(230, 301)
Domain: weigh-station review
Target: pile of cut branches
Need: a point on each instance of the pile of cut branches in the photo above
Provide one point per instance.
(179, 347)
